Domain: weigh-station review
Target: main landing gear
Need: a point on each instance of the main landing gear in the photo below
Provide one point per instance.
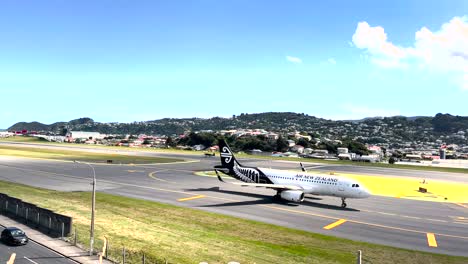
(343, 203)
(277, 196)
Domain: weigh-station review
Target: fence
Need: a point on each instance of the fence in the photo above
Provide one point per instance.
(39, 218)
(120, 254)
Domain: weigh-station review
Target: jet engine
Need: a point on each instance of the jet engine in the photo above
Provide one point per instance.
(292, 196)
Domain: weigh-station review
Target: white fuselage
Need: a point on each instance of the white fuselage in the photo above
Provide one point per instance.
(316, 184)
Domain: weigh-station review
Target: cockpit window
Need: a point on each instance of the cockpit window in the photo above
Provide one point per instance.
(357, 185)
(354, 185)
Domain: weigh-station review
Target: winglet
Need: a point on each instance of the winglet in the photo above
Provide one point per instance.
(302, 167)
(219, 177)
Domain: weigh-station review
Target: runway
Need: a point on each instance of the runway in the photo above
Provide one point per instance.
(421, 225)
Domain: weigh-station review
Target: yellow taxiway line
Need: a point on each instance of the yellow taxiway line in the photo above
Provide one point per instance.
(431, 240)
(335, 224)
(191, 198)
(152, 176)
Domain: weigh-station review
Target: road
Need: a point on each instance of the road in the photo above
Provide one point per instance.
(427, 226)
(31, 253)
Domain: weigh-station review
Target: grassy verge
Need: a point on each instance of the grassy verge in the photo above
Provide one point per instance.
(23, 139)
(57, 154)
(183, 235)
(243, 155)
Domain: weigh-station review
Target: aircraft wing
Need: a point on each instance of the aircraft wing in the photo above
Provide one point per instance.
(270, 186)
(265, 185)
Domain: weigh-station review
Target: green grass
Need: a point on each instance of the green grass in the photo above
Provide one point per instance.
(73, 145)
(243, 155)
(57, 154)
(23, 139)
(184, 235)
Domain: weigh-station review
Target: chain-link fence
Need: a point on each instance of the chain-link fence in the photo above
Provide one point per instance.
(117, 253)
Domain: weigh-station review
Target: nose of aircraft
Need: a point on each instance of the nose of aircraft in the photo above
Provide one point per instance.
(364, 192)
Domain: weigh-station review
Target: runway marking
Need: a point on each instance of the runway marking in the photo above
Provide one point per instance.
(151, 175)
(266, 206)
(437, 220)
(135, 171)
(191, 198)
(30, 260)
(412, 217)
(460, 220)
(462, 205)
(431, 240)
(335, 224)
(387, 213)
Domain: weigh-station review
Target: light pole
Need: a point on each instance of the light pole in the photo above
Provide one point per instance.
(93, 206)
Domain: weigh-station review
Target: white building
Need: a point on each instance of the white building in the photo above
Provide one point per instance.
(6, 134)
(84, 135)
(342, 150)
(297, 148)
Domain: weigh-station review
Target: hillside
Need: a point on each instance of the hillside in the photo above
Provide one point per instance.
(397, 130)
(54, 128)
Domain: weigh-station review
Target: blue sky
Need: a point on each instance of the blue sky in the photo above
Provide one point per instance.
(123, 61)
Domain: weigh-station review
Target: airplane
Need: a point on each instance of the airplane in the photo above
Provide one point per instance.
(290, 186)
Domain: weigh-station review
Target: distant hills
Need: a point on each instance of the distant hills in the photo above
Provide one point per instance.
(421, 128)
(410, 118)
(55, 127)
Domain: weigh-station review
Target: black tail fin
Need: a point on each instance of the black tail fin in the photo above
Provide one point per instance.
(227, 157)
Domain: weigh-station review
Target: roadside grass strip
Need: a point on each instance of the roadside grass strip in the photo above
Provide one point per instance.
(70, 155)
(185, 235)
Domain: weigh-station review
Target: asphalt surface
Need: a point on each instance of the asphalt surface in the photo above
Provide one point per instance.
(31, 253)
(420, 225)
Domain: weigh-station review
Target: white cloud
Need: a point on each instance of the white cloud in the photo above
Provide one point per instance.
(331, 61)
(445, 50)
(294, 59)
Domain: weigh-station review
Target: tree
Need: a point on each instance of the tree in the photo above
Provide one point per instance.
(63, 130)
(170, 142)
(303, 142)
(355, 147)
(328, 146)
(281, 144)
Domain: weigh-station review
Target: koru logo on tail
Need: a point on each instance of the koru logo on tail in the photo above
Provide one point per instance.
(226, 153)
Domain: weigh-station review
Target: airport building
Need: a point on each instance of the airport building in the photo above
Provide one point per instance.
(72, 135)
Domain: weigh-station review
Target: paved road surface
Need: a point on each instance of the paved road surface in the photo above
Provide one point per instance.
(31, 253)
(428, 226)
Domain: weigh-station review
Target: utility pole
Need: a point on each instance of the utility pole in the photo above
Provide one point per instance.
(93, 209)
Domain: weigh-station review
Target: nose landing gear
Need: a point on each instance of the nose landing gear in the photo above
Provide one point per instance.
(343, 203)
